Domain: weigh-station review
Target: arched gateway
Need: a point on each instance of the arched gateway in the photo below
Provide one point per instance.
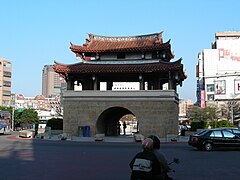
(119, 76)
(108, 121)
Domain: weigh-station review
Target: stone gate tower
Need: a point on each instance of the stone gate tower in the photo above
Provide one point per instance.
(105, 60)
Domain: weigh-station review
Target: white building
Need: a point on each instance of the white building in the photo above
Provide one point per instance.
(218, 70)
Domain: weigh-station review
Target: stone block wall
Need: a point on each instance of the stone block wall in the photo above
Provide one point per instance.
(156, 111)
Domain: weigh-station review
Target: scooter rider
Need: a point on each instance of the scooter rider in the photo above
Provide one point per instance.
(161, 157)
(145, 165)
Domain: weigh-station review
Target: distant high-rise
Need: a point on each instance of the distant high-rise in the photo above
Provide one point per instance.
(51, 82)
(218, 70)
(5, 82)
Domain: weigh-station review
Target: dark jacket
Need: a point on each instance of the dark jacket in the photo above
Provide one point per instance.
(145, 166)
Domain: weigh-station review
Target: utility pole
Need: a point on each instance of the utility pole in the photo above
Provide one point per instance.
(13, 109)
(12, 104)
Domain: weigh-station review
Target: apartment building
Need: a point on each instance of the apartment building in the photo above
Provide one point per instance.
(5, 82)
(51, 82)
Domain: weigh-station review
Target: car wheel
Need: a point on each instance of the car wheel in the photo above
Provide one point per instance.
(208, 146)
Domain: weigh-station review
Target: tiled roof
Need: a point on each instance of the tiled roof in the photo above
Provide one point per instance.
(85, 68)
(101, 44)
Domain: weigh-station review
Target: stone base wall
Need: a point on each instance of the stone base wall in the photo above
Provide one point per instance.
(156, 111)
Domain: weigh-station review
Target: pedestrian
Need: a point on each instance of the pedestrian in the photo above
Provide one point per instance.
(124, 127)
(119, 128)
(161, 157)
(145, 165)
(36, 129)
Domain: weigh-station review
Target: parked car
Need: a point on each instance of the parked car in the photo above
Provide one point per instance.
(28, 133)
(213, 138)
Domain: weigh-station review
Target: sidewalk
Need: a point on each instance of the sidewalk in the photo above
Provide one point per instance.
(123, 139)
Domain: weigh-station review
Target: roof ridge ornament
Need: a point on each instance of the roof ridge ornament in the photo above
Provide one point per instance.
(126, 38)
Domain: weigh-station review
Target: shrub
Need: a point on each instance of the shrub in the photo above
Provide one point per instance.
(214, 124)
(55, 123)
(222, 123)
(198, 125)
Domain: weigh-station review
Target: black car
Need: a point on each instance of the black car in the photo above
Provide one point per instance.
(211, 138)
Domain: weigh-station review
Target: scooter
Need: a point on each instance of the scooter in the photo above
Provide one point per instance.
(176, 161)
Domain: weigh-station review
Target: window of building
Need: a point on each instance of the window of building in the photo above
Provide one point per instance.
(7, 83)
(6, 93)
(57, 90)
(121, 55)
(210, 97)
(7, 74)
(7, 65)
(210, 87)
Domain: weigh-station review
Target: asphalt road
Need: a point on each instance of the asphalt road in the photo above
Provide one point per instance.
(25, 159)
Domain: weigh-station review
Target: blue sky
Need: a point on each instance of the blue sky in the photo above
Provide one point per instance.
(34, 33)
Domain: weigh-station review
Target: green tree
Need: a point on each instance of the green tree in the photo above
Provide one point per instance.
(199, 125)
(3, 108)
(211, 112)
(202, 114)
(28, 116)
(225, 123)
(202, 117)
(17, 118)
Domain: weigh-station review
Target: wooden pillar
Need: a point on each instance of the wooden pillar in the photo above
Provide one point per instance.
(141, 80)
(109, 85)
(170, 81)
(150, 85)
(70, 84)
(95, 81)
(159, 84)
(174, 86)
(95, 84)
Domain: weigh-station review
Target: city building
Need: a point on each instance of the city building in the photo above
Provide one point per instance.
(218, 70)
(218, 76)
(122, 76)
(51, 82)
(184, 107)
(46, 108)
(38, 102)
(5, 82)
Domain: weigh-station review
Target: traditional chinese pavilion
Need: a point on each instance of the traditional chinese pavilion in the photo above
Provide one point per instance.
(145, 59)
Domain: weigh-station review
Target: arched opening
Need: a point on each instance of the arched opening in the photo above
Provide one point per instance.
(111, 121)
